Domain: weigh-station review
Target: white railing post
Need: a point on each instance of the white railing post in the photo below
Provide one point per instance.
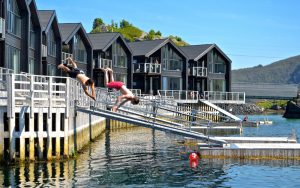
(50, 97)
(11, 96)
(31, 96)
(67, 97)
(11, 115)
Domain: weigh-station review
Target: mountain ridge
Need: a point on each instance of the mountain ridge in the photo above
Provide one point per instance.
(286, 71)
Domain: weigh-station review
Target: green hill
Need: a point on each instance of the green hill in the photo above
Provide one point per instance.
(131, 32)
(286, 71)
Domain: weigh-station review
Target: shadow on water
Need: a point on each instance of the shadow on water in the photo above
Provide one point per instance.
(141, 157)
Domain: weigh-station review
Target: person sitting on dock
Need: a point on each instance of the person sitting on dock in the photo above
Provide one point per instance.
(245, 118)
(120, 86)
(75, 72)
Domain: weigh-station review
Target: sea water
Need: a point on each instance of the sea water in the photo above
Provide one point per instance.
(141, 157)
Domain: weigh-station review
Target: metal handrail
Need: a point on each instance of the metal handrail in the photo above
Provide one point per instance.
(225, 97)
(149, 68)
(180, 95)
(102, 63)
(64, 56)
(199, 71)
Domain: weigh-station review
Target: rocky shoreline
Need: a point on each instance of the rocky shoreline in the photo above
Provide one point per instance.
(247, 109)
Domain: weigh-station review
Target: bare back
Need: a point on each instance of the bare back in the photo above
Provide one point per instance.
(82, 78)
(125, 91)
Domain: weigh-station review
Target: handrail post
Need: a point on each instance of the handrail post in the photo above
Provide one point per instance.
(67, 97)
(31, 96)
(11, 96)
(11, 115)
(50, 97)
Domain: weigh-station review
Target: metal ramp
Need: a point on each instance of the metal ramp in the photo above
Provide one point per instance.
(153, 111)
(221, 110)
(141, 120)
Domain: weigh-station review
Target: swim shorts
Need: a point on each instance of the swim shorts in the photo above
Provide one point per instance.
(115, 85)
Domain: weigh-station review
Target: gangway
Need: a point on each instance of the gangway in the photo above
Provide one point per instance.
(136, 120)
(221, 110)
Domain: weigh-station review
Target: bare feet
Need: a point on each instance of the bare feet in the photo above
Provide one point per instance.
(104, 70)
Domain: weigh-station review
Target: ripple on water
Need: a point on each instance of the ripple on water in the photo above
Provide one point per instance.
(139, 157)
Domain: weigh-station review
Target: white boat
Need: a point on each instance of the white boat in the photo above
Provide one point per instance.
(265, 122)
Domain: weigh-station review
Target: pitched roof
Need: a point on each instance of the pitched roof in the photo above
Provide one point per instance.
(68, 30)
(33, 12)
(45, 17)
(144, 48)
(195, 52)
(102, 41)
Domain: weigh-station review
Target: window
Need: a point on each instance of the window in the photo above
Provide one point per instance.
(119, 55)
(216, 63)
(217, 85)
(79, 50)
(32, 36)
(51, 43)
(171, 60)
(31, 66)
(121, 78)
(51, 70)
(12, 58)
(13, 18)
(171, 83)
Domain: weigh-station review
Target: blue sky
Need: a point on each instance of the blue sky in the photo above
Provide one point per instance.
(249, 32)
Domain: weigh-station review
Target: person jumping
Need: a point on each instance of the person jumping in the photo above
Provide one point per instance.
(120, 86)
(75, 72)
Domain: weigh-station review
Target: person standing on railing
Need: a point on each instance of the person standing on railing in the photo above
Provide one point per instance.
(75, 72)
(126, 93)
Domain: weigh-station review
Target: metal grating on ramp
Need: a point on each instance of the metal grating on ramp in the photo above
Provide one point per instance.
(154, 125)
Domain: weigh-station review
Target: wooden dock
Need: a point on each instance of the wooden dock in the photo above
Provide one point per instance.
(254, 151)
(218, 130)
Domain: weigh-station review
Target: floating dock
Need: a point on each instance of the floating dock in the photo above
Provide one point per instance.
(254, 151)
(218, 130)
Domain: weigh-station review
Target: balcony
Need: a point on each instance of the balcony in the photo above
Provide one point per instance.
(64, 56)
(102, 63)
(180, 96)
(225, 97)
(199, 72)
(147, 68)
(44, 50)
(2, 28)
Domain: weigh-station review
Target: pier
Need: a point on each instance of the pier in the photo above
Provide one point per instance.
(46, 117)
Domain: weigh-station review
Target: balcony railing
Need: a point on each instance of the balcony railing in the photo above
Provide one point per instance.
(44, 50)
(199, 72)
(185, 96)
(102, 63)
(64, 56)
(225, 97)
(147, 68)
(136, 92)
(2, 28)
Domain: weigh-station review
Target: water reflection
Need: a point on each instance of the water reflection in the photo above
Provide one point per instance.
(141, 157)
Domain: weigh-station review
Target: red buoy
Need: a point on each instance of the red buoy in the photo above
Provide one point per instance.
(194, 160)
